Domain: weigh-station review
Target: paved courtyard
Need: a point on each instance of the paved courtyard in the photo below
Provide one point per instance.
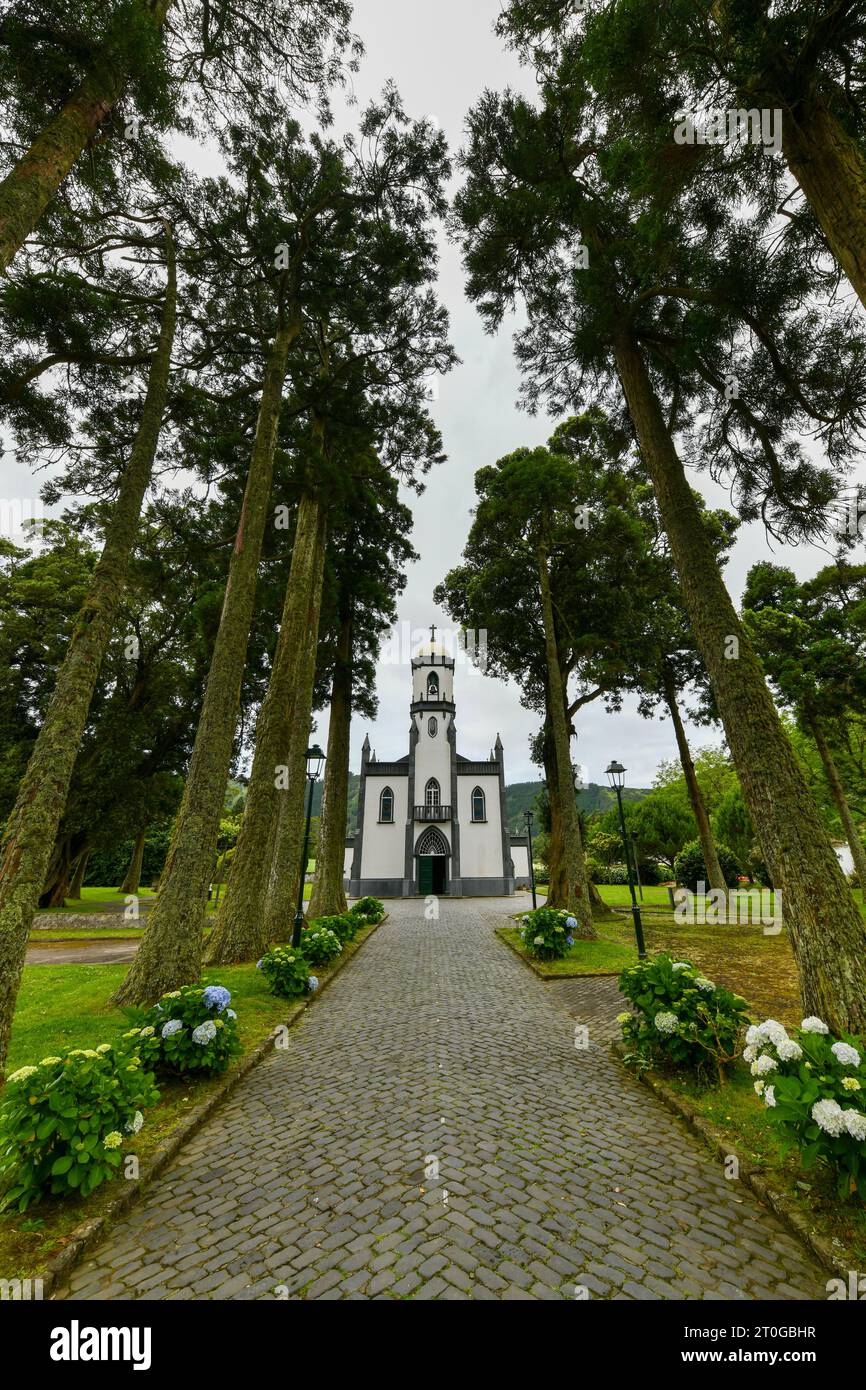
(432, 1131)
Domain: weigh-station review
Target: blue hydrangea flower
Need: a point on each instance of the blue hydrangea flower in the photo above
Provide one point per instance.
(259, 964)
(569, 941)
(205, 1032)
(217, 997)
(571, 923)
(173, 1026)
(231, 1014)
(312, 984)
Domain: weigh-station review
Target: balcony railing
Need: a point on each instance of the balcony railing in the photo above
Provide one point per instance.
(433, 813)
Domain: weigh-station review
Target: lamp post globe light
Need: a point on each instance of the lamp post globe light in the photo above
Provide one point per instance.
(531, 865)
(315, 763)
(616, 776)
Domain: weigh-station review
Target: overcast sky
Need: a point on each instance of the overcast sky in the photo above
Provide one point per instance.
(442, 56)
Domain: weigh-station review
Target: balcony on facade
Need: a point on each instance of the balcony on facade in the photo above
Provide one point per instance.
(435, 814)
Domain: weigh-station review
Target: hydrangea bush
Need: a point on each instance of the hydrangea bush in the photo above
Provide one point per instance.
(319, 945)
(547, 933)
(814, 1088)
(344, 927)
(196, 1029)
(287, 972)
(63, 1123)
(681, 1016)
(371, 909)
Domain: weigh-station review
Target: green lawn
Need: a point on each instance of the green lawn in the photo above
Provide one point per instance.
(98, 900)
(602, 957)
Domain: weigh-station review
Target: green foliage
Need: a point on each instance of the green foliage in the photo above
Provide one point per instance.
(196, 1030)
(345, 927)
(680, 1016)
(547, 933)
(287, 971)
(64, 1122)
(690, 869)
(371, 909)
(814, 1088)
(319, 945)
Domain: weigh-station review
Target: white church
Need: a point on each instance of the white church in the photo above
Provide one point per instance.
(434, 822)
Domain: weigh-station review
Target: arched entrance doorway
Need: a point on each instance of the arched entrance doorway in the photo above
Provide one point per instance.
(432, 853)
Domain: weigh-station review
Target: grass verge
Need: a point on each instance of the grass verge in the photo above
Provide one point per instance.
(61, 1007)
(600, 957)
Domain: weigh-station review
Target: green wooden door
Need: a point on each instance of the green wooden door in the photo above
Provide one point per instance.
(425, 875)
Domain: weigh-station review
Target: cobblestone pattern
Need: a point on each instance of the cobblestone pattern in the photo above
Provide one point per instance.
(437, 1052)
(593, 1002)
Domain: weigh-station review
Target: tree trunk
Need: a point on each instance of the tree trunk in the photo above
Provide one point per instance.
(557, 881)
(132, 881)
(170, 952)
(848, 824)
(282, 889)
(328, 898)
(715, 877)
(830, 167)
(78, 877)
(577, 896)
(239, 933)
(32, 826)
(828, 935)
(27, 189)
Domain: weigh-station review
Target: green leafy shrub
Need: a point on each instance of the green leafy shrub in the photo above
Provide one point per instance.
(63, 1124)
(287, 972)
(814, 1088)
(371, 909)
(196, 1030)
(344, 927)
(319, 945)
(680, 1016)
(690, 869)
(546, 933)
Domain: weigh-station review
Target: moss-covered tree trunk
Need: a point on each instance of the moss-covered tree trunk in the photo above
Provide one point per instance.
(29, 187)
(170, 952)
(328, 898)
(132, 879)
(715, 877)
(827, 933)
(577, 895)
(78, 876)
(282, 888)
(239, 934)
(32, 826)
(852, 835)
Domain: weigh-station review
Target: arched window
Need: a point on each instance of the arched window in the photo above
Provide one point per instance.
(386, 807)
(479, 805)
(432, 686)
(432, 727)
(433, 794)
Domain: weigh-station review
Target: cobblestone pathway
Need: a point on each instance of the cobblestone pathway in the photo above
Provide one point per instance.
(437, 1050)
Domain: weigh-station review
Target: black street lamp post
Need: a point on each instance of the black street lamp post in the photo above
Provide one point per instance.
(616, 777)
(531, 865)
(636, 864)
(315, 762)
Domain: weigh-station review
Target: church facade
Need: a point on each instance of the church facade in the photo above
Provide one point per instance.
(434, 822)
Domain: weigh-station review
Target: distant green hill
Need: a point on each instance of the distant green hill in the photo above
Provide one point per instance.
(520, 798)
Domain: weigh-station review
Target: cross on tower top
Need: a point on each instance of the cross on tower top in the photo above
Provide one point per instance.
(433, 633)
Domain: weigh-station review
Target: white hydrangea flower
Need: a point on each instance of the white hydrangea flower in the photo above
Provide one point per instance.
(681, 965)
(539, 941)
(773, 1032)
(770, 1097)
(134, 1125)
(855, 1124)
(50, 1061)
(789, 1051)
(813, 1025)
(847, 1055)
(829, 1117)
(764, 1066)
(760, 1087)
(205, 1032)
(704, 985)
(22, 1074)
(753, 1036)
(850, 1083)
(750, 1055)
(666, 1023)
